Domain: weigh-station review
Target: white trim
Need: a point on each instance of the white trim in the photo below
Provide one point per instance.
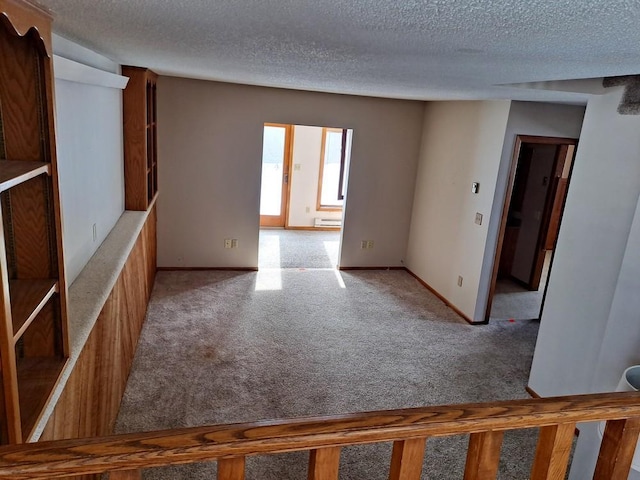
(73, 71)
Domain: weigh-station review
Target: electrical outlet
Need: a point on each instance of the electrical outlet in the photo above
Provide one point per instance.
(234, 243)
(308, 209)
(94, 231)
(370, 244)
(228, 243)
(479, 218)
(459, 280)
(296, 167)
(364, 244)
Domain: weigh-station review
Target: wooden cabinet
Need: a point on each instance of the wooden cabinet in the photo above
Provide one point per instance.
(140, 138)
(33, 314)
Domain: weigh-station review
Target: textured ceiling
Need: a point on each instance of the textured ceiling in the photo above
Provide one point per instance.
(432, 49)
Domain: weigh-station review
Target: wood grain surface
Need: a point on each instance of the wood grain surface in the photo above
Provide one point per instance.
(14, 172)
(407, 458)
(91, 398)
(141, 450)
(140, 132)
(552, 453)
(24, 17)
(28, 297)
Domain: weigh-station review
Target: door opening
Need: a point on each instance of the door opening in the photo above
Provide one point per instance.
(531, 217)
(303, 193)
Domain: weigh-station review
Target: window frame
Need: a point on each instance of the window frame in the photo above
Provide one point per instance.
(319, 206)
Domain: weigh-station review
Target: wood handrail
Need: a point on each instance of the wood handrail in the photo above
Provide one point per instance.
(55, 459)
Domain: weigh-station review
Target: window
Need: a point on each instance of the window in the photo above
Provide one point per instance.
(332, 169)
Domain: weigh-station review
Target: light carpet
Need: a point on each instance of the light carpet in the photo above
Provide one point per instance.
(298, 248)
(223, 347)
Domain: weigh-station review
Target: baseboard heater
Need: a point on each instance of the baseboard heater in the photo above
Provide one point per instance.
(327, 222)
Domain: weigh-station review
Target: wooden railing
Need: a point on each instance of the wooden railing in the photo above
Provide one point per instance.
(125, 455)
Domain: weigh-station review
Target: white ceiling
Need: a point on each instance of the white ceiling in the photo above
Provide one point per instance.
(430, 49)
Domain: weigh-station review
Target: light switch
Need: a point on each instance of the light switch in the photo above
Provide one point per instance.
(475, 187)
(479, 218)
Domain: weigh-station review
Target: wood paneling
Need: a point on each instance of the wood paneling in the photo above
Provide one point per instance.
(42, 338)
(30, 215)
(20, 111)
(91, 398)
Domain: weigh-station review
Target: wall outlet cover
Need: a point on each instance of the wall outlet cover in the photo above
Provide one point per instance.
(479, 218)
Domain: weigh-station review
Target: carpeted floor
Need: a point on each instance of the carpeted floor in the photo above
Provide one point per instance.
(222, 347)
(512, 300)
(298, 249)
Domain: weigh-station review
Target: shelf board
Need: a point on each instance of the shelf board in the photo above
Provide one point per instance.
(15, 172)
(37, 377)
(27, 299)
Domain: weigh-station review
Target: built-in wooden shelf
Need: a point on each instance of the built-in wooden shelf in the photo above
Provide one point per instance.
(15, 172)
(140, 138)
(35, 343)
(27, 299)
(37, 377)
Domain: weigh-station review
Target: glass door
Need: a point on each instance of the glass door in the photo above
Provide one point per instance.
(275, 175)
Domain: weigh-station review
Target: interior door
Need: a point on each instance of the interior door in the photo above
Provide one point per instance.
(274, 194)
(554, 207)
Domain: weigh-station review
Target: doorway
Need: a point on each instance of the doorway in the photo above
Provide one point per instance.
(303, 193)
(532, 214)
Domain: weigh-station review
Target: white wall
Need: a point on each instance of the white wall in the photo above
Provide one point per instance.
(525, 118)
(90, 158)
(462, 143)
(210, 142)
(590, 328)
(619, 349)
(307, 144)
(592, 243)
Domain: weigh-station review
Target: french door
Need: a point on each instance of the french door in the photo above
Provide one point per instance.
(274, 195)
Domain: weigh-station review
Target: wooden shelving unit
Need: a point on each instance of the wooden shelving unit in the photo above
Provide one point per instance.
(33, 311)
(36, 378)
(140, 121)
(28, 298)
(15, 172)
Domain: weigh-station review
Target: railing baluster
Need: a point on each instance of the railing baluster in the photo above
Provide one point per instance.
(126, 475)
(324, 463)
(407, 459)
(483, 455)
(552, 453)
(617, 448)
(231, 468)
